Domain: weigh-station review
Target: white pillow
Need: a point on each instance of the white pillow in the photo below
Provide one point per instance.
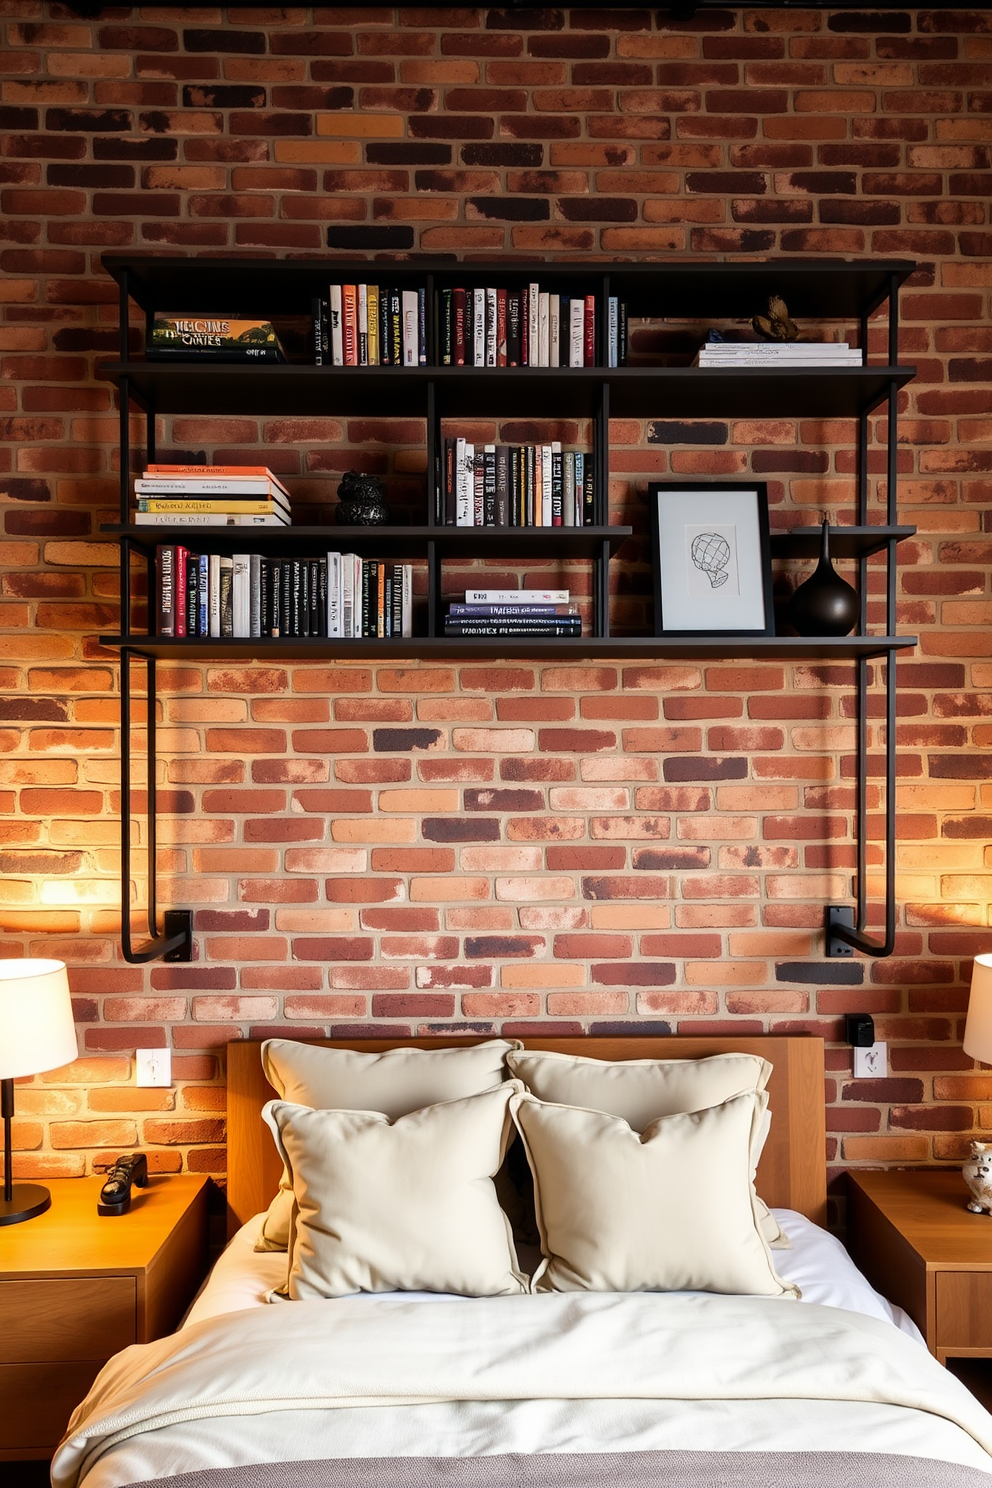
(641, 1090)
(669, 1209)
(407, 1205)
(395, 1082)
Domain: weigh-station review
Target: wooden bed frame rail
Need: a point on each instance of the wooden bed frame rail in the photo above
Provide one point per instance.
(791, 1174)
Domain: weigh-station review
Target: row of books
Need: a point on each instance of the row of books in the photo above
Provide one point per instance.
(515, 485)
(514, 612)
(210, 495)
(778, 354)
(527, 327)
(365, 325)
(244, 595)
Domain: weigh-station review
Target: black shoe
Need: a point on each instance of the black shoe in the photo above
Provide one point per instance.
(115, 1195)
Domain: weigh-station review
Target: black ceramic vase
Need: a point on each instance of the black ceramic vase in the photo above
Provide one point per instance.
(826, 604)
(361, 501)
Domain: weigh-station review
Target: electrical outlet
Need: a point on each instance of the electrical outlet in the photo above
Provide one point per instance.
(871, 1062)
(153, 1066)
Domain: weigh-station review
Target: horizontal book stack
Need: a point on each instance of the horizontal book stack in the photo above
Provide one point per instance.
(244, 595)
(526, 327)
(211, 496)
(212, 338)
(514, 485)
(513, 612)
(778, 354)
(368, 325)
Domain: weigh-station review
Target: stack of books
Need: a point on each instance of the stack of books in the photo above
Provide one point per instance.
(513, 612)
(365, 325)
(211, 496)
(212, 338)
(514, 485)
(244, 595)
(778, 354)
(527, 327)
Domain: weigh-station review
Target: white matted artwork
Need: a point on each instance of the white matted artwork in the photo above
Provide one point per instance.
(712, 558)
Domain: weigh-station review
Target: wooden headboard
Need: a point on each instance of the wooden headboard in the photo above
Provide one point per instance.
(792, 1173)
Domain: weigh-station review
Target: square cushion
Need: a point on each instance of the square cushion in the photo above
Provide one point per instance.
(641, 1090)
(393, 1082)
(667, 1209)
(407, 1205)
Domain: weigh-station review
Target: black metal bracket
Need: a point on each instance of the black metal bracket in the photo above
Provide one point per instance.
(175, 943)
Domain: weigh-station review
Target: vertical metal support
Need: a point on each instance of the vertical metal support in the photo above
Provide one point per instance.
(124, 414)
(601, 457)
(435, 475)
(841, 935)
(125, 552)
(601, 591)
(176, 944)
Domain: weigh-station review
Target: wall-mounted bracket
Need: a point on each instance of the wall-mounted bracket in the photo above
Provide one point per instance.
(176, 943)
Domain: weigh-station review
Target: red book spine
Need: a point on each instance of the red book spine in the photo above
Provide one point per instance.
(501, 328)
(349, 323)
(525, 327)
(179, 589)
(589, 353)
(458, 335)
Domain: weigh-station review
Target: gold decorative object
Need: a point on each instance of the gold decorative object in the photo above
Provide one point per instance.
(776, 325)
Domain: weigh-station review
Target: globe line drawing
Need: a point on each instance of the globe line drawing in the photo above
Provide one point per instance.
(711, 553)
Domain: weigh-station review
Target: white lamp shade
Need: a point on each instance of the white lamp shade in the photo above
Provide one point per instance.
(37, 1031)
(978, 1028)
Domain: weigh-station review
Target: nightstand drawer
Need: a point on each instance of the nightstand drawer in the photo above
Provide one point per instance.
(964, 1309)
(77, 1317)
(36, 1401)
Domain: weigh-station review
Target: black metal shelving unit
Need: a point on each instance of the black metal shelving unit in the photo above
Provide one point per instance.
(816, 289)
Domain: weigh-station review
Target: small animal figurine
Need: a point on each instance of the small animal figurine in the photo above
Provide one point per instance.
(776, 325)
(977, 1173)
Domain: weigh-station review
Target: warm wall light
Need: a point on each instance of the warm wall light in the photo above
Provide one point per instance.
(37, 1033)
(978, 1028)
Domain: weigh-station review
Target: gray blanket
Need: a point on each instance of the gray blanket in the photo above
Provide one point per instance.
(597, 1470)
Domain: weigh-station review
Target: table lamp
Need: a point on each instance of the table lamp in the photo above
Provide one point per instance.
(37, 1033)
(978, 1026)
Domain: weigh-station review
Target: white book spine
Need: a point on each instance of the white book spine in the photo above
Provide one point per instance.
(544, 331)
(546, 453)
(334, 595)
(464, 484)
(213, 595)
(347, 593)
(533, 318)
(255, 593)
(490, 328)
(406, 610)
(411, 321)
(337, 333)
(516, 596)
(363, 325)
(554, 331)
(576, 332)
(356, 608)
(204, 519)
(478, 328)
(240, 596)
(612, 350)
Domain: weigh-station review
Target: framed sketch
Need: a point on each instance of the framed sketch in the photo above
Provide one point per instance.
(712, 558)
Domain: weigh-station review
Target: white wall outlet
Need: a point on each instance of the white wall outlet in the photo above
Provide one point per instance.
(153, 1066)
(871, 1062)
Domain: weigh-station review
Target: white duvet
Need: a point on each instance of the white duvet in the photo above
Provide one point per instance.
(405, 1376)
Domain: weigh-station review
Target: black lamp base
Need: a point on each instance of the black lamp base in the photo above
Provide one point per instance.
(27, 1200)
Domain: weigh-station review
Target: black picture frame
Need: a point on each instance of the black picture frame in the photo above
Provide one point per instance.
(693, 564)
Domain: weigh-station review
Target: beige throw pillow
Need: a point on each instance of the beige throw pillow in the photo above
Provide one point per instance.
(669, 1209)
(395, 1082)
(641, 1090)
(407, 1205)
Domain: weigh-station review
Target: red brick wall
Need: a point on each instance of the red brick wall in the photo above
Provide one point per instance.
(413, 848)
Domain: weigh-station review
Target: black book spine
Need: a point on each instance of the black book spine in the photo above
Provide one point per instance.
(192, 595)
(397, 606)
(502, 486)
(366, 603)
(556, 488)
(469, 326)
(318, 340)
(447, 329)
(315, 567)
(422, 327)
(489, 486)
(388, 607)
(286, 601)
(396, 327)
(622, 339)
(588, 502)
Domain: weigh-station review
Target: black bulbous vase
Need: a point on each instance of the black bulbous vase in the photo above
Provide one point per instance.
(361, 501)
(826, 604)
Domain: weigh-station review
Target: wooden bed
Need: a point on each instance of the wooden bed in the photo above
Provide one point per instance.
(791, 1174)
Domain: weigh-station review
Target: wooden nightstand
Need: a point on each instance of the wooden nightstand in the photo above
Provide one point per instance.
(75, 1287)
(912, 1236)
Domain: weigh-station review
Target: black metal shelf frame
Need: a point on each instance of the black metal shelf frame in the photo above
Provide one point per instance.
(435, 393)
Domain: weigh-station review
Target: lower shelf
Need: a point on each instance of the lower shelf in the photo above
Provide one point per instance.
(448, 648)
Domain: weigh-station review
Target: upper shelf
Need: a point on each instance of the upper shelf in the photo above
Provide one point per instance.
(508, 392)
(820, 289)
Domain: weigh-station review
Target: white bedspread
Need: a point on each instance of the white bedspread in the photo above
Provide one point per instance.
(396, 1376)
